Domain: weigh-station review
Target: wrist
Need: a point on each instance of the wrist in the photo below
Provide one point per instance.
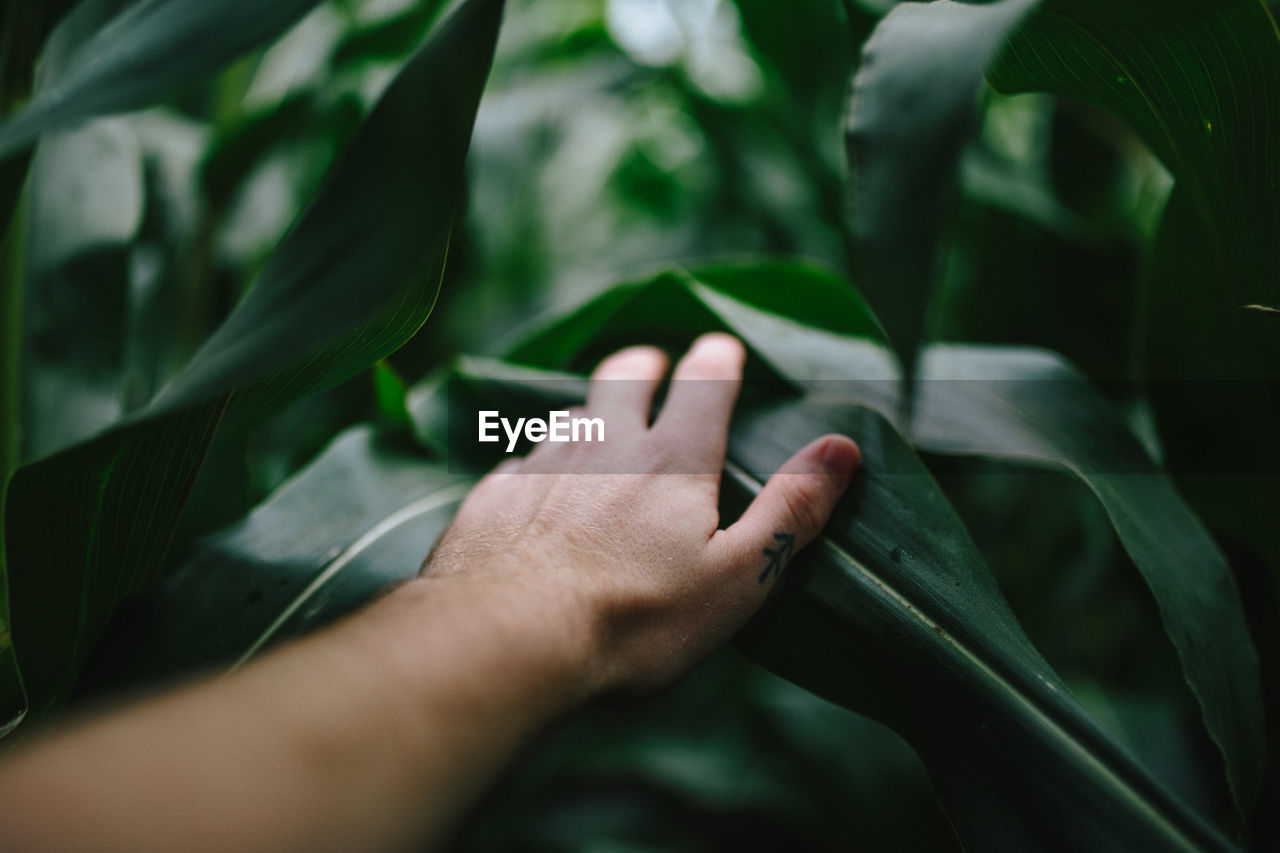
(539, 637)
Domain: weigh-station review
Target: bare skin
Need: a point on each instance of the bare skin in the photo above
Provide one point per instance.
(557, 582)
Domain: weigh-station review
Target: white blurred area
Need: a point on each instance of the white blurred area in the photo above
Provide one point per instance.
(702, 37)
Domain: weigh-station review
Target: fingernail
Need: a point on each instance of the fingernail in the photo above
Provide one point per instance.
(841, 459)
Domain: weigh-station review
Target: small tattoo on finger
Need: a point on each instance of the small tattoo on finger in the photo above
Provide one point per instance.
(778, 556)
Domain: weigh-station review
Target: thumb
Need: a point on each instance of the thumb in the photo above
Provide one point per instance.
(790, 510)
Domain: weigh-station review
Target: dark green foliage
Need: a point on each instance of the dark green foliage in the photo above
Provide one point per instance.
(355, 278)
(1055, 344)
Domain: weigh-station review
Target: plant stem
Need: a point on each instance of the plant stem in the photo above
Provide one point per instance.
(12, 693)
(11, 286)
(14, 88)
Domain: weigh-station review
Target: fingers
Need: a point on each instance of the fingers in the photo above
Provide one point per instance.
(790, 510)
(695, 417)
(623, 385)
(704, 388)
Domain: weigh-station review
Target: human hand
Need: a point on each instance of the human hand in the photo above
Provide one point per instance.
(626, 531)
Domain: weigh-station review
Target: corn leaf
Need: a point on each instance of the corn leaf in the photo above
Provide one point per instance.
(1030, 405)
(359, 517)
(912, 110)
(1019, 404)
(356, 277)
(1197, 79)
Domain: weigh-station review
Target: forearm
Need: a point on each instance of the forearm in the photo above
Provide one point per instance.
(373, 734)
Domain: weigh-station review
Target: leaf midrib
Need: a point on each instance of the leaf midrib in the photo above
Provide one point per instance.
(996, 682)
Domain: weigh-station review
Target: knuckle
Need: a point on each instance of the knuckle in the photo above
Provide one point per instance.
(661, 456)
(805, 504)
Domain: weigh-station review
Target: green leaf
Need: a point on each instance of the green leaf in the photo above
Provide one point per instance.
(913, 109)
(1199, 81)
(389, 394)
(145, 52)
(1214, 389)
(85, 207)
(390, 38)
(1030, 405)
(893, 614)
(354, 279)
(361, 516)
(1019, 404)
(664, 308)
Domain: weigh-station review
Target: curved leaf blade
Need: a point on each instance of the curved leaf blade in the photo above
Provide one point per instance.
(1030, 405)
(357, 518)
(358, 274)
(913, 108)
(1199, 80)
(895, 599)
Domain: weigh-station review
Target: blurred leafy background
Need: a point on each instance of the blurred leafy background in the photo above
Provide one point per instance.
(616, 138)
